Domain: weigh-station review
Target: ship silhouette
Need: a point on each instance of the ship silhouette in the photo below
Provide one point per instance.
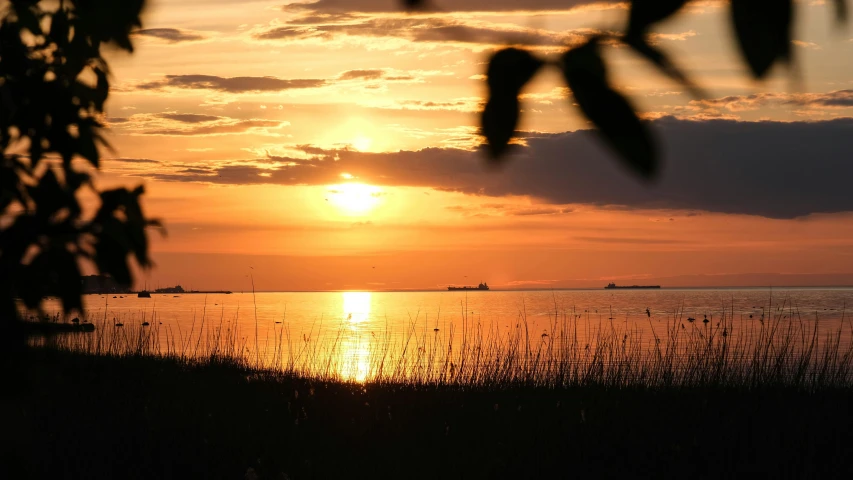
(482, 286)
(613, 285)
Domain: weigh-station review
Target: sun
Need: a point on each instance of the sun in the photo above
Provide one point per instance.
(362, 143)
(354, 198)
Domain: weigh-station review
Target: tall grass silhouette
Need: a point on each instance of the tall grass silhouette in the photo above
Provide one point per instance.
(785, 350)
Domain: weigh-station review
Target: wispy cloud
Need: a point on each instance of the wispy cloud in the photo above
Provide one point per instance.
(803, 44)
(422, 30)
(189, 117)
(839, 99)
(135, 160)
(191, 124)
(172, 35)
(229, 84)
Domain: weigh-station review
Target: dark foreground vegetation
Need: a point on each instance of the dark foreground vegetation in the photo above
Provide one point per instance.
(85, 416)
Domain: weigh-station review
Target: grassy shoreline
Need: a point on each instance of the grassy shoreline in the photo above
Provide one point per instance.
(698, 400)
(82, 416)
(784, 349)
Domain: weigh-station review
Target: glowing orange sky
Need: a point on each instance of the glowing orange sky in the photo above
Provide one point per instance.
(332, 146)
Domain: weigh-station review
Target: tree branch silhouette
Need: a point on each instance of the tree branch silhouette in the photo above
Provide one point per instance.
(54, 83)
(763, 35)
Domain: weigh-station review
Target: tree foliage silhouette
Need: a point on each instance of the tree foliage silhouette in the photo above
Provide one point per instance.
(763, 34)
(53, 86)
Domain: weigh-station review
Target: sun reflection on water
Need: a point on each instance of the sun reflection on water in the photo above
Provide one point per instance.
(356, 307)
(355, 348)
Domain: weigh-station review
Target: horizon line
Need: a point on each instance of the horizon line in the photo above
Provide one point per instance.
(415, 290)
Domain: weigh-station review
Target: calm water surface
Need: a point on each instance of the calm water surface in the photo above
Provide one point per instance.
(281, 324)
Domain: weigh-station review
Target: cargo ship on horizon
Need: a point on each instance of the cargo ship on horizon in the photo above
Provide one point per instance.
(481, 287)
(614, 286)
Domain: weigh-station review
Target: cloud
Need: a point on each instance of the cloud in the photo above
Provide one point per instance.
(802, 44)
(527, 212)
(632, 240)
(507, 210)
(239, 85)
(171, 35)
(461, 105)
(189, 117)
(675, 37)
(203, 171)
(380, 74)
(134, 160)
(771, 169)
(740, 103)
(230, 84)
(241, 126)
(362, 75)
(424, 29)
(192, 124)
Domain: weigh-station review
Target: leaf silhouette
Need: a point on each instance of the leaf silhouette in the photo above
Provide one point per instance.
(68, 283)
(59, 28)
(614, 116)
(33, 280)
(48, 195)
(644, 13)
(415, 4)
(841, 11)
(27, 17)
(763, 29)
(111, 20)
(663, 62)
(509, 70)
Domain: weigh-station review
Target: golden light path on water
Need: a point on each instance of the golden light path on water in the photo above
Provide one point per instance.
(355, 351)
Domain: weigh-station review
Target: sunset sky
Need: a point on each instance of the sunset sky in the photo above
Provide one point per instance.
(334, 145)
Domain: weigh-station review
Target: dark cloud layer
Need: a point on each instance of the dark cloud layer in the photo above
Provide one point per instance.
(735, 103)
(171, 35)
(362, 75)
(189, 117)
(230, 84)
(771, 169)
(421, 29)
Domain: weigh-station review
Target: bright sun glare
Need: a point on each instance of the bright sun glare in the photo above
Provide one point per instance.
(354, 198)
(362, 143)
(356, 306)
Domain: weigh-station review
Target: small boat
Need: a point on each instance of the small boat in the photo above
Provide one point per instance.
(144, 294)
(119, 324)
(145, 324)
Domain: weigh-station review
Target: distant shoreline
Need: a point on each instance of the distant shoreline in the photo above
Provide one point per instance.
(498, 289)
